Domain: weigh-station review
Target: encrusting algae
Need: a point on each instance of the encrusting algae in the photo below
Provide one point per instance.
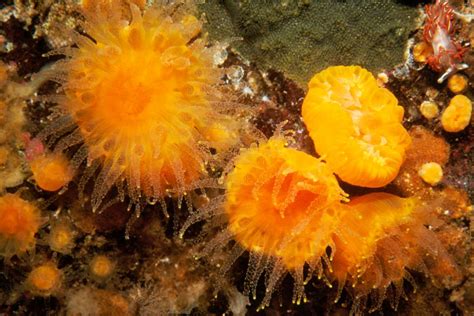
(356, 125)
(431, 172)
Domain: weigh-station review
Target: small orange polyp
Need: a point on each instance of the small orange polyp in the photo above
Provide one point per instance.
(271, 192)
(421, 52)
(431, 172)
(101, 267)
(44, 279)
(458, 83)
(51, 171)
(355, 125)
(61, 237)
(20, 220)
(457, 115)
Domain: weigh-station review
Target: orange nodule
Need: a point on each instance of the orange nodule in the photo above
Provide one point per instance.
(457, 115)
(143, 94)
(431, 172)
(61, 237)
(421, 52)
(457, 83)
(101, 266)
(51, 171)
(356, 125)
(429, 109)
(44, 279)
(279, 203)
(20, 220)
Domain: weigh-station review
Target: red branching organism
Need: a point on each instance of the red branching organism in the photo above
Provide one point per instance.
(438, 31)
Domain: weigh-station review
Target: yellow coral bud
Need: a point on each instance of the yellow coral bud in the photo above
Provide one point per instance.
(457, 115)
(51, 171)
(101, 266)
(61, 237)
(431, 173)
(457, 83)
(44, 279)
(429, 109)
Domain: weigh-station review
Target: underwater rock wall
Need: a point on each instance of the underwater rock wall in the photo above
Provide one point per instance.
(301, 38)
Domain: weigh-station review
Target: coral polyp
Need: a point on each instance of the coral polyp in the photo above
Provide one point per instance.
(51, 172)
(457, 115)
(281, 207)
(276, 201)
(142, 93)
(44, 279)
(382, 236)
(20, 220)
(355, 125)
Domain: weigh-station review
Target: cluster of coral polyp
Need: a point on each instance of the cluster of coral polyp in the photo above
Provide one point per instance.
(139, 95)
(142, 106)
(285, 207)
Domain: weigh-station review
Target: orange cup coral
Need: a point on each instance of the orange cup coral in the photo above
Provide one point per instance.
(276, 201)
(44, 279)
(142, 94)
(355, 125)
(280, 206)
(381, 235)
(20, 220)
(51, 171)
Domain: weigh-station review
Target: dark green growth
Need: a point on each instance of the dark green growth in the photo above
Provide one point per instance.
(302, 37)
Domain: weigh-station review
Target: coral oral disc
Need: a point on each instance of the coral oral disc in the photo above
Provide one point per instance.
(355, 125)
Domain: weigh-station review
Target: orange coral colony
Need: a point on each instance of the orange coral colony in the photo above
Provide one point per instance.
(101, 267)
(380, 237)
(355, 125)
(142, 93)
(20, 220)
(51, 171)
(271, 192)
